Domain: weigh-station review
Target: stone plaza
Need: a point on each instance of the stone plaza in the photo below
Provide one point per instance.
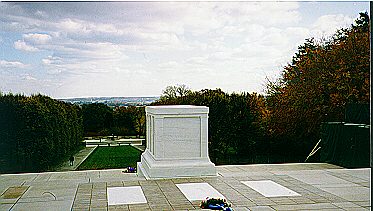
(320, 187)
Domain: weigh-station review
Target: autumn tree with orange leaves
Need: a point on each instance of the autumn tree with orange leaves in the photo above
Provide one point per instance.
(322, 78)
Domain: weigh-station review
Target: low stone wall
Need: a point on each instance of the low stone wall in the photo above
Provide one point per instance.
(108, 142)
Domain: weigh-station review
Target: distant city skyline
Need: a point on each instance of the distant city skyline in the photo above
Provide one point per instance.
(113, 101)
(136, 49)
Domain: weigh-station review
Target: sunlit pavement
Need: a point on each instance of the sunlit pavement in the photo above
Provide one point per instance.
(319, 187)
(78, 159)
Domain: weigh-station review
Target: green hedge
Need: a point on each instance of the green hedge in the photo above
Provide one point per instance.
(37, 132)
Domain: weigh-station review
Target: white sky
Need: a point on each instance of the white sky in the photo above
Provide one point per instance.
(80, 49)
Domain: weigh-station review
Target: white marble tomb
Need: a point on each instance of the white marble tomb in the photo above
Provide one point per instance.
(176, 142)
(268, 188)
(199, 191)
(125, 195)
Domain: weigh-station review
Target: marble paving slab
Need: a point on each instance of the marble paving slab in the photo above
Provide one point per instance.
(316, 177)
(199, 191)
(269, 188)
(125, 195)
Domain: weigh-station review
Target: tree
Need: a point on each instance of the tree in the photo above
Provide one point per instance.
(172, 92)
(323, 76)
(37, 132)
(97, 117)
(123, 121)
(138, 118)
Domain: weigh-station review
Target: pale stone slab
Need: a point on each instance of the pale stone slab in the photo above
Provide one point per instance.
(125, 195)
(198, 191)
(349, 193)
(261, 208)
(269, 188)
(363, 173)
(315, 206)
(316, 177)
(43, 205)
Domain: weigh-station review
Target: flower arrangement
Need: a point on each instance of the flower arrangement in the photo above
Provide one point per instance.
(129, 169)
(216, 204)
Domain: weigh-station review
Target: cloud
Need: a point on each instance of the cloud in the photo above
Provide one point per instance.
(169, 65)
(41, 14)
(327, 25)
(37, 38)
(84, 58)
(12, 64)
(23, 46)
(28, 77)
(52, 60)
(107, 47)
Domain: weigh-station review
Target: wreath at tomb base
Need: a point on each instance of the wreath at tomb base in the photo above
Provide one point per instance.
(215, 204)
(129, 169)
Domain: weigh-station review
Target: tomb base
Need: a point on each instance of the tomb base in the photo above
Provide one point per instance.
(152, 168)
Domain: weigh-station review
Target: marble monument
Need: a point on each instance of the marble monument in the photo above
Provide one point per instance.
(176, 142)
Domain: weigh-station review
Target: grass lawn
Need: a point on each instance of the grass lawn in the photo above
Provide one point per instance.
(112, 157)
